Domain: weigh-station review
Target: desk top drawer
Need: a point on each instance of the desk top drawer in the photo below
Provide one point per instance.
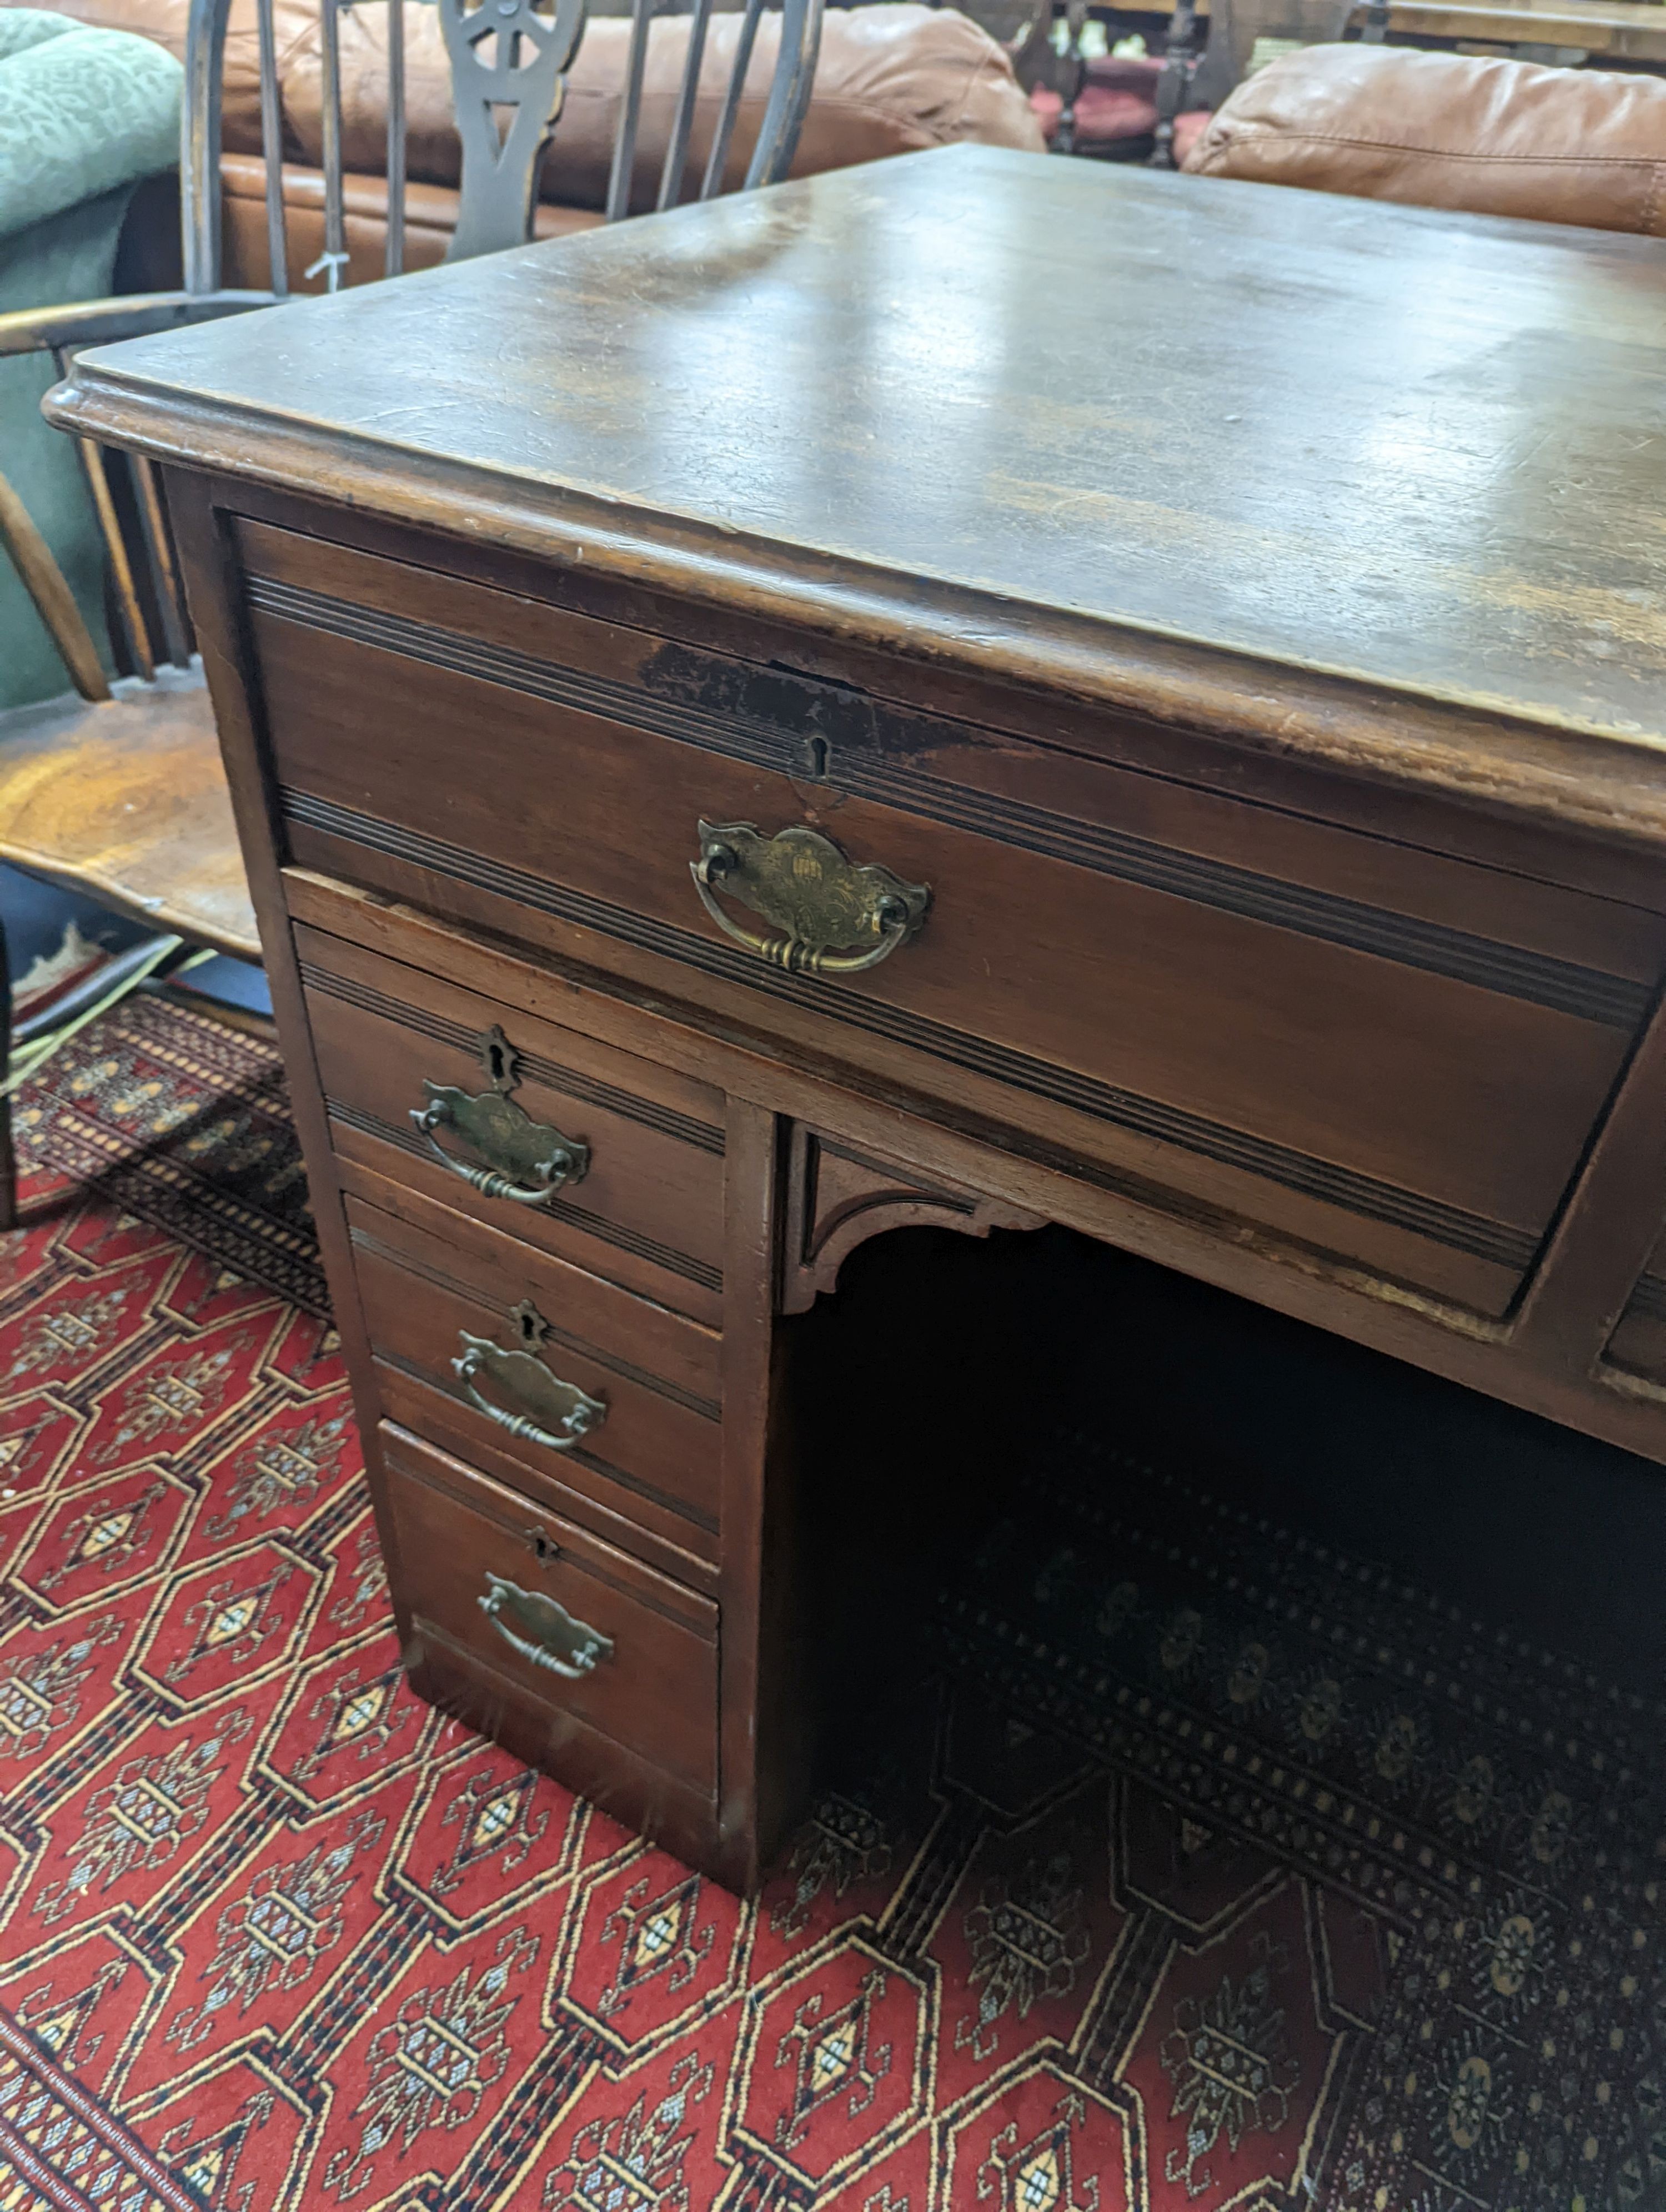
(588, 1390)
(546, 1134)
(582, 1627)
(1393, 1055)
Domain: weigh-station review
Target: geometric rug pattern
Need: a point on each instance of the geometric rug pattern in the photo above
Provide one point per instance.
(1207, 1870)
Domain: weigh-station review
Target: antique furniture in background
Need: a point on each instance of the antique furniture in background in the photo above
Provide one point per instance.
(692, 840)
(1239, 30)
(84, 115)
(126, 798)
(491, 82)
(1450, 131)
(1197, 76)
(1564, 31)
(891, 78)
(1337, 128)
(1103, 103)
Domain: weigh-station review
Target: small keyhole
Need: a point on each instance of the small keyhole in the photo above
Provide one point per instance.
(819, 757)
(543, 1547)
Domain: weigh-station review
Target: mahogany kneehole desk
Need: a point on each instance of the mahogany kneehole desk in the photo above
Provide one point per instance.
(832, 710)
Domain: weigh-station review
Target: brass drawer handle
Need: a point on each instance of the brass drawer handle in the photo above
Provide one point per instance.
(558, 1413)
(527, 1161)
(553, 1639)
(802, 883)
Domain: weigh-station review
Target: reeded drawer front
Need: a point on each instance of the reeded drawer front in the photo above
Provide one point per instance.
(588, 1388)
(544, 1134)
(588, 1631)
(1394, 1055)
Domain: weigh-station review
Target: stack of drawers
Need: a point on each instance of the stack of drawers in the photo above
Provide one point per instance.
(536, 1225)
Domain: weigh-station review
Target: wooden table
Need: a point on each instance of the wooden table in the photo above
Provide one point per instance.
(975, 691)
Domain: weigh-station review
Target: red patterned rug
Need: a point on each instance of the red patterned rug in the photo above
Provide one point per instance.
(1213, 1871)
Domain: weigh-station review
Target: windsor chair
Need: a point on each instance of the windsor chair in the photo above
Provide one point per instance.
(122, 794)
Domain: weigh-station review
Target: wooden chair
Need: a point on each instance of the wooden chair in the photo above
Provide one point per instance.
(1192, 75)
(1040, 60)
(123, 795)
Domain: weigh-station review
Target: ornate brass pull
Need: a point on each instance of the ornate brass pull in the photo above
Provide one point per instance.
(527, 1161)
(558, 1413)
(552, 1638)
(801, 883)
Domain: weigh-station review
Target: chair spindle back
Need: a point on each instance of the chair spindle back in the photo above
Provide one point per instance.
(508, 62)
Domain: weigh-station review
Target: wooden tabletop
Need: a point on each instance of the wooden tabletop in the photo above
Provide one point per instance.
(1180, 442)
(1619, 30)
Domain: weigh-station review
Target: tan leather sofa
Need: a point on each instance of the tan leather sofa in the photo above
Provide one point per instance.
(1448, 131)
(892, 78)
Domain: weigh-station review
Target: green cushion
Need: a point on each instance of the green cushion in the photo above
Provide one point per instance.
(83, 115)
(22, 27)
(82, 111)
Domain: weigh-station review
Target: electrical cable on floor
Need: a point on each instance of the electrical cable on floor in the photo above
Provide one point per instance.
(31, 1055)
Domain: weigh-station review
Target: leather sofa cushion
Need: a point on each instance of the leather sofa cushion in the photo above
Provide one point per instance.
(890, 79)
(430, 218)
(1492, 136)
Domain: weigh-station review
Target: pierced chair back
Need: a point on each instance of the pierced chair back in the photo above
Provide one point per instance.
(787, 102)
(126, 796)
(506, 64)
